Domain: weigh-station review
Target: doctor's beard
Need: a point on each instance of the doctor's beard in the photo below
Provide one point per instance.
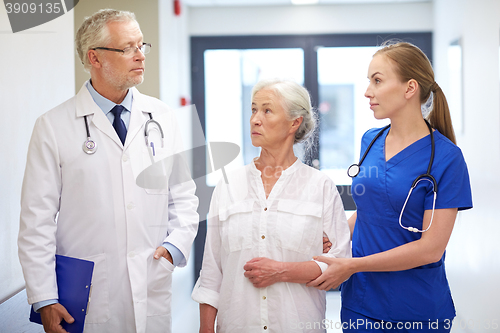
(118, 79)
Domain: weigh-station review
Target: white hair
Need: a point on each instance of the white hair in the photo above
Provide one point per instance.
(296, 102)
(94, 31)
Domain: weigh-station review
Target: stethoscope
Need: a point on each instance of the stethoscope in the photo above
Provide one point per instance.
(355, 168)
(90, 146)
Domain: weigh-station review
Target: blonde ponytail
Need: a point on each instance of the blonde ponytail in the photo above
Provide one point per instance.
(440, 117)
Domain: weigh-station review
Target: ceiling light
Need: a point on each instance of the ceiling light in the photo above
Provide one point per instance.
(304, 2)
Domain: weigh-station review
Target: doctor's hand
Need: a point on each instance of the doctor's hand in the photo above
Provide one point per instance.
(339, 270)
(263, 272)
(52, 315)
(163, 252)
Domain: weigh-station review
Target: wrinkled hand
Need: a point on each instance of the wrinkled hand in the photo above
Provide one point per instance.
(327, 245)
(52, 316)
(337, 272)
(263, 272)
(163, 252)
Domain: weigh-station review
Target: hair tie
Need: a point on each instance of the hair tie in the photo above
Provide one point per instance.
(434, 86)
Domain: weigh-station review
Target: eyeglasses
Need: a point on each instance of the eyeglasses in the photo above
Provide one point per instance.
(128, 51)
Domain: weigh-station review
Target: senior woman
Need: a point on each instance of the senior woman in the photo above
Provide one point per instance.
(266, 224)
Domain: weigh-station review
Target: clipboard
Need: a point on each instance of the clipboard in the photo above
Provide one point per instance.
(74, 282)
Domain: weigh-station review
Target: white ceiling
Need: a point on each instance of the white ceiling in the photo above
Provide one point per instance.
(213, 3)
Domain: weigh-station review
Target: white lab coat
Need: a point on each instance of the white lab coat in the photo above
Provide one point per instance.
(89, 207)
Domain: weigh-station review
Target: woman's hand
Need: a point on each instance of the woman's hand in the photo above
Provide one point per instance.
(263, 272)
(339, 270)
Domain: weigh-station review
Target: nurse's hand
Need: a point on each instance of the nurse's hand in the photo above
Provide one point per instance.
(52, 316)
(327, 245)
(263, 272)
(163, 252)
(339, 270)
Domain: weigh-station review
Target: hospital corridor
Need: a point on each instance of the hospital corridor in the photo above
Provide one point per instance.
(198, 71)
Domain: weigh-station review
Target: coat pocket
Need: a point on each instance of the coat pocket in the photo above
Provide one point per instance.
(157, 172)
(159, 287)
(98, 311)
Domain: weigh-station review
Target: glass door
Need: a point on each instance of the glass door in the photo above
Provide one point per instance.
(344, 114)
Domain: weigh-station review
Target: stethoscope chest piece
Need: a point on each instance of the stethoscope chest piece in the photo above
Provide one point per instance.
(89, 146)
(353, 170)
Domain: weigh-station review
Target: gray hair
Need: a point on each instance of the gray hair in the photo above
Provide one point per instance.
(296, 102)
(94, 31)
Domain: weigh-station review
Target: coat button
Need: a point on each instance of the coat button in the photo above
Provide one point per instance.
(263, 237)
(265, 209)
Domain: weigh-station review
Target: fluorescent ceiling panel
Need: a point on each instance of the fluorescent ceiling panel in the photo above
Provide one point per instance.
(230, 3)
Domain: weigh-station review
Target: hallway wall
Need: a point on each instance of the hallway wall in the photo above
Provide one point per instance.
(37, 74)
(473, 261)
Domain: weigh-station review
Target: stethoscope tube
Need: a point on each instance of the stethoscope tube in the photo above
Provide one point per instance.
(355, 168)
(150, 145)
(90, 146)
(146, 130)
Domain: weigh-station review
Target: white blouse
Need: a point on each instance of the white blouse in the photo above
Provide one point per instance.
(288, 226)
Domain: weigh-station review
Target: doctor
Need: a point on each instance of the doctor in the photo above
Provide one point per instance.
(85, 203)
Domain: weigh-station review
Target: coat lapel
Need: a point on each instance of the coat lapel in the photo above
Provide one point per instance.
(85, 106)
(138, 117)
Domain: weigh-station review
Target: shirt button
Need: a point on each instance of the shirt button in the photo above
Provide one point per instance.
(130, 206)
(265, 209)
(264, 297)
(131, 254)
(263, 237)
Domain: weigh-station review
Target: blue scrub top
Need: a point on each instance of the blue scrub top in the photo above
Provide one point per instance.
(379, 191)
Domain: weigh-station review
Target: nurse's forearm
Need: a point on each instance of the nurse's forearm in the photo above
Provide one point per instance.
(398, 259)
(352, 222)
(401, 258)
(428, 249)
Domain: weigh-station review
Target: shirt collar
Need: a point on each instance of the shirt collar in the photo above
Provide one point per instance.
(105, 104)
(291, 169)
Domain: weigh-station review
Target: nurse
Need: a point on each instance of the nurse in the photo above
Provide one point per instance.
(396, 279)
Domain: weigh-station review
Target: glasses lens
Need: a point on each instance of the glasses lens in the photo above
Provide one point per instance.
(128, 51)
(145, 48)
